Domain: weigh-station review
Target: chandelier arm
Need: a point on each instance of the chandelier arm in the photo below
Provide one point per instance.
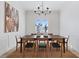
(42, 6)
(40, 9)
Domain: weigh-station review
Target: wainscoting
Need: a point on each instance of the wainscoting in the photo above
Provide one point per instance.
(7, 42)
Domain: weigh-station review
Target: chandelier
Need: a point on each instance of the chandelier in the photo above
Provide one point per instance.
(41, 10)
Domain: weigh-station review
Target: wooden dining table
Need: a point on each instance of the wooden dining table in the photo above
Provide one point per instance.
(48, 37)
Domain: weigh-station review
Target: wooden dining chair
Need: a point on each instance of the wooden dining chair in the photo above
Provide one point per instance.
(33, 33)
(42, 43)
(66, 41)
(50, 33)
(18, 41)
(28, 44)
(56, 44)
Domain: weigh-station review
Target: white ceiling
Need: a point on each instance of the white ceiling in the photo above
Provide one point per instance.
(30, 5)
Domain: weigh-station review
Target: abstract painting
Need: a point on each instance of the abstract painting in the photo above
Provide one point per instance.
(41, 25)
(11, 18)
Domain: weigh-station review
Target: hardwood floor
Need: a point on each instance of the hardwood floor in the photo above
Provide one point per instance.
(41, 53)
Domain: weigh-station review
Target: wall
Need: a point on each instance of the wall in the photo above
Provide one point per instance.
(69, 24)
(7, 40)
(53, 21)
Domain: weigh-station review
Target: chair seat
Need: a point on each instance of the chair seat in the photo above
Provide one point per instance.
(66, 42)
(29, 45)
(19, 42)
(38, 36)
(46, 36)
(50, 39)
(55, 45)
(42, 45)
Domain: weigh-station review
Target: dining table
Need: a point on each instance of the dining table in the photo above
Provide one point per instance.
(58, 37)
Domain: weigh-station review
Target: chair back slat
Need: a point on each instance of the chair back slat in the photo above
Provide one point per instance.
(18, 38)
(67, 38)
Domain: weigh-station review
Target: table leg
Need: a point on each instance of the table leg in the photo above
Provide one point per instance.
(47, 44)
(63, 45)
(21, 46)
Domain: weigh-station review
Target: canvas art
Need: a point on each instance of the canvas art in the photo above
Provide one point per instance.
(41, 25)
(11, 18)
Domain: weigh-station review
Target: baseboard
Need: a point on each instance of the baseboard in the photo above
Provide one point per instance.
(74, 52)
(7, 53)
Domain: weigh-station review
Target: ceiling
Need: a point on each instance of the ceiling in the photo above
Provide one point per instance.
(31, 5)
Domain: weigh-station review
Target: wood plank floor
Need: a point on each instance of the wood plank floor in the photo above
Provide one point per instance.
(41, 53)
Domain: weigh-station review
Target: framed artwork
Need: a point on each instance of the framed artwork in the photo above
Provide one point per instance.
(41, 25)
(11, 18)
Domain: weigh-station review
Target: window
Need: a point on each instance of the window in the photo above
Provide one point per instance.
(41, 25)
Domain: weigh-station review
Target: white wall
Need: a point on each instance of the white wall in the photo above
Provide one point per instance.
(7, 40)
(69, 24)
(53, 21)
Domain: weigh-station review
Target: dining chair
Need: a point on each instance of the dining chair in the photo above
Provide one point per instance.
(56, 44)
(42, 43)
(66, 42)
(50, 33)
(18, 41)
(33, 33)
(29, 44)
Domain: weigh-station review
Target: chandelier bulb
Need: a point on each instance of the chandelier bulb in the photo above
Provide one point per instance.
(38, 7)
(47, 8)
(49, 11)
(42, 11)
(35, 11)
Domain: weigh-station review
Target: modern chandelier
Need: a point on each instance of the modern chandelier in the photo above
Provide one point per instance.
(41, 10)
